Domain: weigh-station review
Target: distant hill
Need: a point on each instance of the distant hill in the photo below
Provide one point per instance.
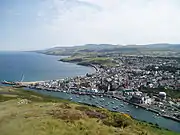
(78, 49)
(155, 49)
(165, 45)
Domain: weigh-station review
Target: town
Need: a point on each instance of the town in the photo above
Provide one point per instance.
(139, 80)
(152, 83)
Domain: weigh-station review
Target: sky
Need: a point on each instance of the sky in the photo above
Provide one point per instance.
(40, 24)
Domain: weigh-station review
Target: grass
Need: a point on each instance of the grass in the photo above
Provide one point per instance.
(86, 60)
(30, 113)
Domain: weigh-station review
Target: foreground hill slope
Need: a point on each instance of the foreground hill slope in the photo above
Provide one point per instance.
(28, 113)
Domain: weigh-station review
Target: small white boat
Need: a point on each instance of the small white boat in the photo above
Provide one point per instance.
(101, 99)
(115, 107)
(121, 105)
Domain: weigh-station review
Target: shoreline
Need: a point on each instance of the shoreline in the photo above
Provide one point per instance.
(115, 97)
(85, 65)
(26, 85)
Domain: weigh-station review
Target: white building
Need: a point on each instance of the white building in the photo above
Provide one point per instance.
(162, 95)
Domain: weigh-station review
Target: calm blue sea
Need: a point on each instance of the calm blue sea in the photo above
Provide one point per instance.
(36, 67)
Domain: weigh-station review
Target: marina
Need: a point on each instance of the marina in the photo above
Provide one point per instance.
(116, 105)
(92, 95)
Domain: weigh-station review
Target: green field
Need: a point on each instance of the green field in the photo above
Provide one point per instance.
(82, 60)
(28, 113)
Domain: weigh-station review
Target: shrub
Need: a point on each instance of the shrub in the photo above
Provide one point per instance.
(94, 114)
(82, 108)
(65, 114)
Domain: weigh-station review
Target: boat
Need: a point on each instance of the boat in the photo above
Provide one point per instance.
(156, 116)
(127, 111)
(115, 107)
(93, 96)
(121, 105)
(96, 102)
(79, 101)
(112, 102)
(102, 100)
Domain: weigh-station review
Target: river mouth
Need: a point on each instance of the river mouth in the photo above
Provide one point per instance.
(116, 105)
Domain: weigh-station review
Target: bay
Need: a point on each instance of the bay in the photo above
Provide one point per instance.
(37, 67)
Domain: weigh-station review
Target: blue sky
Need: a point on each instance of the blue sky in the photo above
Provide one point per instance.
(39, 24)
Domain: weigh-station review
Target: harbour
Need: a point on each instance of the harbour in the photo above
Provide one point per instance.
(27, 85)
(111, 103)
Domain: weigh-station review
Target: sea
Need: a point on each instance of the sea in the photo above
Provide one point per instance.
(30, 66)
(37, 67)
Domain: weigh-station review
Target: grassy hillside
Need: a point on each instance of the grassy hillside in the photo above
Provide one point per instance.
(28, 113)
(88, 48)
(152, 49)
(82, 60)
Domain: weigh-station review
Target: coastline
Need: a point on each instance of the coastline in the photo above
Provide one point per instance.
(27, 84)
(24, 84)
(82, 64)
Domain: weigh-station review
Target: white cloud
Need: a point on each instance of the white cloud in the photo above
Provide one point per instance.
(112, 21)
